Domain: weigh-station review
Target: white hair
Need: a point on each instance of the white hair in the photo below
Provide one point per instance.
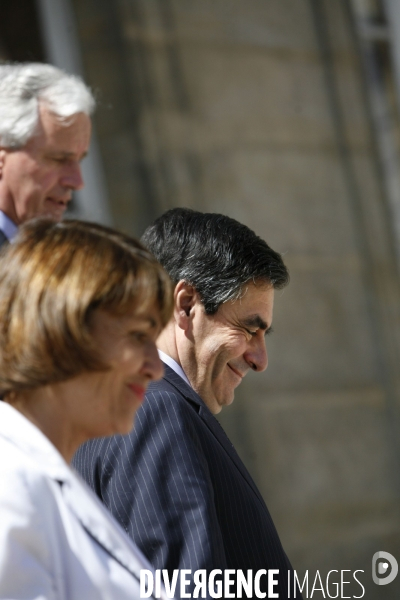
(26, 86)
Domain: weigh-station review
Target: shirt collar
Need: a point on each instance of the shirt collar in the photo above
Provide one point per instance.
(173, 365)
(8, 227)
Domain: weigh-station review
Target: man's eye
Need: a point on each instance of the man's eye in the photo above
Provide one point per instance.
(61, 160)
(251, 332)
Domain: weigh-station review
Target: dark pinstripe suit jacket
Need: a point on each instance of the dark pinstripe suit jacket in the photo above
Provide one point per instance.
(181, 491)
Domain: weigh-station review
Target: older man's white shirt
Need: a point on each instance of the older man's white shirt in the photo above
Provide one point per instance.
(8, 227)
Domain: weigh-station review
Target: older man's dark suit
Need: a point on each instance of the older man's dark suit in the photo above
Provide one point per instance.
(3, 238)
(181, 491)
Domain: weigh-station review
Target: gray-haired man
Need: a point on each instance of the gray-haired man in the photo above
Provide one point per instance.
(45, 132)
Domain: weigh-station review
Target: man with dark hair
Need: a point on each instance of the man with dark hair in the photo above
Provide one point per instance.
(176, 484)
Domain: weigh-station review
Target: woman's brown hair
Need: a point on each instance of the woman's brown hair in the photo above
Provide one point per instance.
(52, 278)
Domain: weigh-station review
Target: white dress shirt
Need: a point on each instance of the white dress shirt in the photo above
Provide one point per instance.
(174, 365)
(8, 227)
(57, 540)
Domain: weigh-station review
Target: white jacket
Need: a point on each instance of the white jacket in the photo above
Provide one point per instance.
(57, 541)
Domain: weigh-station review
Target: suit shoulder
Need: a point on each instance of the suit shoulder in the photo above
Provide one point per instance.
(166, 421)
(163, 387)
(163, 400)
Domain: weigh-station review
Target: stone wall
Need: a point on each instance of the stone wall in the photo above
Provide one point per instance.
(257, 109)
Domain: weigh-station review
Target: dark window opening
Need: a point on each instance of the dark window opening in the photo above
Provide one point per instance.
(20, 35)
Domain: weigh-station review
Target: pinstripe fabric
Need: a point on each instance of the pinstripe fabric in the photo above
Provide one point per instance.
(180, 490)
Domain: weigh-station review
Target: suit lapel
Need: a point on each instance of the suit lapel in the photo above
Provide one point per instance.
(212, 424)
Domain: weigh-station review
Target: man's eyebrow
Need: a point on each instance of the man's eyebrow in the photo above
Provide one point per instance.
(258, 322)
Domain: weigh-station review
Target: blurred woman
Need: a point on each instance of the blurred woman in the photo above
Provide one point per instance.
(80, 309)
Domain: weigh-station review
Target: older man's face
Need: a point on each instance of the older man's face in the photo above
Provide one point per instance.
(38, 179)
(222, 348)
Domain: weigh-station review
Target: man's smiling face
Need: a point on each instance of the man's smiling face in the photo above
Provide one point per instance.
(226, 345)
(38, 179)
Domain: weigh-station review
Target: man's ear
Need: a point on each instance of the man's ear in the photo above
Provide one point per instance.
(185, 297)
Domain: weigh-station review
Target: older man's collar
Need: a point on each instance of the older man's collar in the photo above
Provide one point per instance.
(8, 227)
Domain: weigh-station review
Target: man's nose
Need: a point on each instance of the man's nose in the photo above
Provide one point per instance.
(256, 354)
(72, 177)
